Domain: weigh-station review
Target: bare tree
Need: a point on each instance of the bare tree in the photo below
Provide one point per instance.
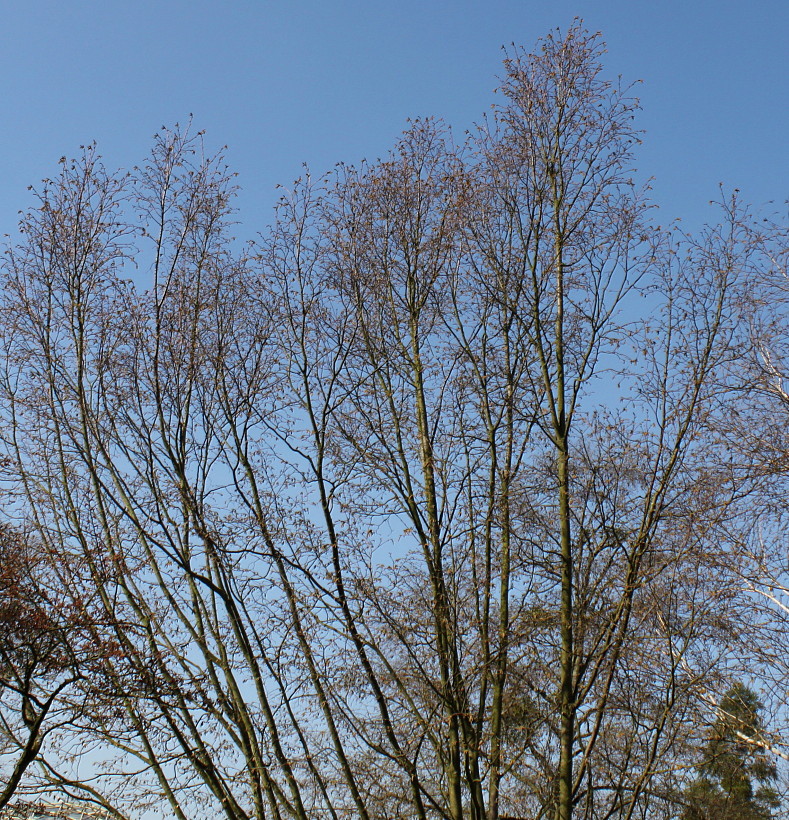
(367, 530)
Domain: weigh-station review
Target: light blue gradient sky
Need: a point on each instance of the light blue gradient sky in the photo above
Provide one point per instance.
(306, 81)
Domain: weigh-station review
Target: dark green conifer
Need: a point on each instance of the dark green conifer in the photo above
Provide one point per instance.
(735, 773)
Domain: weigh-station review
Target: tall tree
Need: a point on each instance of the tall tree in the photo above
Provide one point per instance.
(367, 529)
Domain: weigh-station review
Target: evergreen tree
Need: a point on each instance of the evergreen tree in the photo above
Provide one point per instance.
(735, 774)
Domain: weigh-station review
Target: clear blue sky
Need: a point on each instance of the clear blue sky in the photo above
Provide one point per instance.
(283, 83)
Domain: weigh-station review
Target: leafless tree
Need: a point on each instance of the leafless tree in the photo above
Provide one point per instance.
(369, 531)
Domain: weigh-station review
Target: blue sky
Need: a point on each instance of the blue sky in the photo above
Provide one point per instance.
(283, 83)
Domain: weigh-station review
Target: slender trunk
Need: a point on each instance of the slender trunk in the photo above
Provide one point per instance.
(444, 631)
(564, 805)
(500, 673)
(566, 698)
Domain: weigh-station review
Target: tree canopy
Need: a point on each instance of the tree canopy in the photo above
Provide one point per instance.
(443, 499)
